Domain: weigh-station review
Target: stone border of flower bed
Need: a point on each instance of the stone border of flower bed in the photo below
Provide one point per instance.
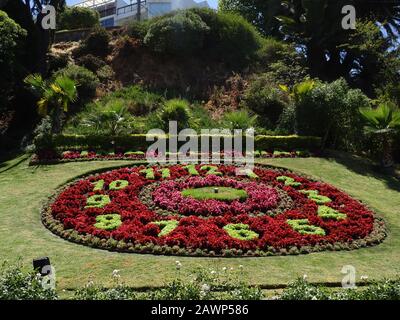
(377, 235)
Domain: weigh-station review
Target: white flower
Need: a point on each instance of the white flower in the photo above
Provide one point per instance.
(305, 277)
(205, 287)
(213, 272)
(178, 264)
(314, 298)
(241, 267)
(224, 269)
(364, 277)
(115, 273)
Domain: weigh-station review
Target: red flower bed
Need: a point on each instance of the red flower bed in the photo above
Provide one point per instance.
(107, 211)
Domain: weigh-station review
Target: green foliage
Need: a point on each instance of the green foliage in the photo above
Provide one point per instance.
(240, 231)
(266, 99)
(78, 18)
(112, 120)
(90, 62)
(239, 120)
(231, 38)
(108, 222)
(384, 122)
(181, 33)
(15, 284)
(176, 110)
(42, 136)
(138, 100)
(137, 29)
(326, 212)
(289, 143)
(86, 81)
(211, 170)
(97, 43)
(302, 290)
(288, 181)
(97, 201)
(315, 196)
(56, 95)
(217, 193)
(330, 110)
(118, 184)
(302, 226)
(166, 226)
(11, 37)
(384, 119)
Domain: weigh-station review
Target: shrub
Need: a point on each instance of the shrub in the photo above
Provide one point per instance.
(86, 80)
(42, 136)
(77, 18)
(97, 43)
(287, 142)
(231, 39)
(105, 73)
(138, 101)
(176, 110)
(266, 99)
(90, 62)
(239, 120)
(330, 110)
(181, 33)
(18, 285)
(137, 29)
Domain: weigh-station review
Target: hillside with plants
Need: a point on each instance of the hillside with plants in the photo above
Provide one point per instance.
(315, 193)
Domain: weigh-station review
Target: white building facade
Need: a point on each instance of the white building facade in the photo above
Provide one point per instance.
(119, 12)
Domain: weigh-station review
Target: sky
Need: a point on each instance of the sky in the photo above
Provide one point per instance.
(212, 3)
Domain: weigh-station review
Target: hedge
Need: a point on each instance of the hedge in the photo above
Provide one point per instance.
(138, 142)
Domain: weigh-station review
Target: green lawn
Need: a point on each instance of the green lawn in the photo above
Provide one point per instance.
(24, 188)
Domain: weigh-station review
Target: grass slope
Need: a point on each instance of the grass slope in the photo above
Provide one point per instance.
(23, 188)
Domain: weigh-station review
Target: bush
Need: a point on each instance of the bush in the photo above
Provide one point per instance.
(105, 73)
(288, 143)
(231, 38)
(239, 120)
(181, 33)
(18, 285)
(90, 62)
(330, 110)
(42, 136)
(86, 80)
(97, 43)
(11, 37)
(176, 110)
(266, 99)
(137, 29)
(138, 101)
(77, 18)
(57, 61)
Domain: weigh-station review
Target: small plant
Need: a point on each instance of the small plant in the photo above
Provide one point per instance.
(55, 96)
(239, 120)
(176, 110)
(97, 43)
(86, 81)
(16, 284)
(384, 122)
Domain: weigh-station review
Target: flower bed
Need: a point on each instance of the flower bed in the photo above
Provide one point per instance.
(145, 209)
(54, 157)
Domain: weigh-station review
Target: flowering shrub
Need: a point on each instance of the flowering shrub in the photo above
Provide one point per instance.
(51, 156)
(128, 211)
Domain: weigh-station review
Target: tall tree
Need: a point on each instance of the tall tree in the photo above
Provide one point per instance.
(28, 14)
(316, 27)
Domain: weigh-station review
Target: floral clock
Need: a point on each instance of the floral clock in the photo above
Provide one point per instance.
(208, 210)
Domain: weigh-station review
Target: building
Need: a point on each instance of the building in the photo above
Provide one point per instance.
(119, 12)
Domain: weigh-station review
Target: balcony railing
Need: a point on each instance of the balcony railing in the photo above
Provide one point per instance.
(130, 8)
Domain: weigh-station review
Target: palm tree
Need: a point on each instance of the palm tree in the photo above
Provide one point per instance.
(383, 121)
(56, 95)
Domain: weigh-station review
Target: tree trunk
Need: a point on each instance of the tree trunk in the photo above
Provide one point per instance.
(387, 158)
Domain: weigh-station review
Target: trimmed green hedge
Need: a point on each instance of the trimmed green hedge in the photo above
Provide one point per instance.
(138, 142)
(287, 143)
